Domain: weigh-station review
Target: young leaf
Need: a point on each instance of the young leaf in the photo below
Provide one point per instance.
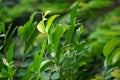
(41, 26)
(5, 62)
(9, 53)
(50, 36)
(45, 14)
(28, 28)
(115, 56)
(73, 14)
(70, 31)
(49, 22)
(24, 30)
(78, 33)
(32, 17)
(110, 46)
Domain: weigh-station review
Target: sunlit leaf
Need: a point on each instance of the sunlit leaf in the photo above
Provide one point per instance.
(116, 73)
(45, 14)
(45, 64)
(41, 26)
(115, 57)
(50, 21)
(110, 46)
(5, 62)
(78, 33)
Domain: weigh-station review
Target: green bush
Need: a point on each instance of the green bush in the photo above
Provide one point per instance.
(57, 48)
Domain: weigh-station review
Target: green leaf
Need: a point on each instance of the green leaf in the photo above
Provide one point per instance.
(10, 52)
(9, 37)
(27, 73)
(49, 22)
(69, 33)
(78, 33)
(65, 28)
(28, 32)
(115, 57)
(55, 76)
(45, 64)
(4, 73)
(110, 46)
(36, 62)
(21, 31)
(108, 32)
(9, 27)
(5, 62)
(50, 36)
(46, 13)
(24, 30)
(41, 26)
(73, 14)
(99, 3)
(42, 51)
(56, 37)
(32, 35)
(67, 73)
(32, 17)
(28, 27)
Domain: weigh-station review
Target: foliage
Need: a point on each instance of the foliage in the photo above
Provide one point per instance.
(56, 47)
